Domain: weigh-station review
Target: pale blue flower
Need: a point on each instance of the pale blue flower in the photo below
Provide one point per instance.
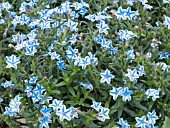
(102, 26)
(132, 74)
(33, 80)
(164, 55)
(39, 88)
(130, 14)
(123, 124)
(28, 89)
(71, 25)
(1, 100)
(96, 105)
(7, 84)
(30, 51)
(152, 117)
(84, 62)
(87, 85)
(71, 53)
(56, 104)
(115, 92)
(60, 64)
(141, 70)
(44, 122)
(143, 1)
(113, 51)
(167, 21)
(45, 111)
(104, 113)
(121, 13)
(12, 61)
(126, 94)
(106, 77)
(64, 113)
(9, 111)
(54, 56)
(36, 96)
(73, 112)
(153, 93)
(141, 122)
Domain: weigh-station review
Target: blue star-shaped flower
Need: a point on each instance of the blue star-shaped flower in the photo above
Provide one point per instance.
(152, 117)
(44, 122)
(167, 21)
(132, 74)
(113, 51)
(12, 61)
(116, 92)
(71, 53)
(141, 70)
(102, 27)
(84, 62)
(15, 103)
(120, 13)
(46, 111)
(126, 94)
(54, 56)
(152, 92)
(36, 96)
(33, 80)
(64, 113)
(9, 111)
(96, 105)
(73, 112)
(71, 25)
(56, 104)
(130, 14)
(164, 55)
(104, 113)
(106, 77)
(87, 85)
(123, 124)
(7, 84)
(141, 122)
(60, 64)
(39, 88)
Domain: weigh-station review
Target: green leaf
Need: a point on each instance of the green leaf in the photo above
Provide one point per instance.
(60, 84)
(166, 123)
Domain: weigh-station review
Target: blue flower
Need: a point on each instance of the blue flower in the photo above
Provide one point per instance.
(71, 25)
(113, 51)
(32, 35)
(143, 1)
(152, 117)
(141, 122)
(46, 99)
(94, 60)
(60, 64)
(87, 85)
(44, 122)
(141, 70)
(54, 56)
(39, 88)
(12, 61)
(152, 92)
(33, 80)
(64, 113)
(164, 55)
(104, 113)
(102, 27)
(56, 104)
(9, 111)
(71, 53)
(30, 51)
(167, 21)
(7, 84)
(46, 111)
(96, 105)
(106, 77)
(126, 94)
(83, 11)
(115, 92)
(45, 25)
(1, 100)
(73, 112)
(36, 96)
(84, 62)
(15, 103)
(123, 124)
(132, 74)
(120, 13)
(130, 14)
(28, 89)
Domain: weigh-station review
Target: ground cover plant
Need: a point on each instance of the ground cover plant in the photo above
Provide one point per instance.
(85, 64)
